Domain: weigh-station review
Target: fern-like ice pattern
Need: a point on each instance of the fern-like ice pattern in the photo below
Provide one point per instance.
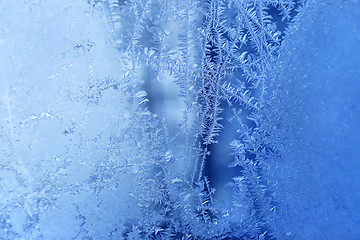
(180, 119)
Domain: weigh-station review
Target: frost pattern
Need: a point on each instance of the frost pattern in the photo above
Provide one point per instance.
(148, 119)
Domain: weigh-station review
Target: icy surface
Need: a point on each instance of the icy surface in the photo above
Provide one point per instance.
(64, 124)
(180, 119)
(317, 100)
